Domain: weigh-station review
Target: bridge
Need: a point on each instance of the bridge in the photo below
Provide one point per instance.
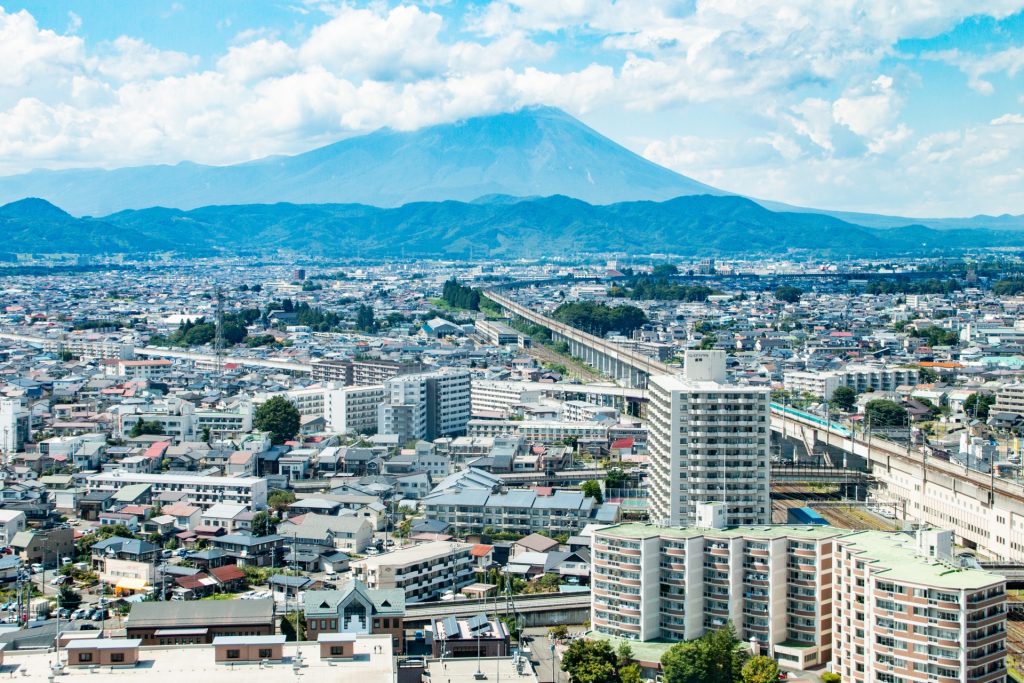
(985, 512)
(619, 363)
(546, 609)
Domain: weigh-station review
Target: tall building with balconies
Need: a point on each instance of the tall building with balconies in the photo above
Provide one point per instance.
(708, 442)
(905, 611)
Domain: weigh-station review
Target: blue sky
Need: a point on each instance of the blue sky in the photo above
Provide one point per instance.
(903, 107)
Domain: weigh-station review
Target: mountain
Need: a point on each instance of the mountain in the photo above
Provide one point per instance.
(499, 227)
(535, 151)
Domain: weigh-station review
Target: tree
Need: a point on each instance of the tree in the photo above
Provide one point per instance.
(760, 669)
(788, 293)
(279, 500)
(68, 597)
(206, 435)
(977, 405)
(558, 632)
(885, 413)
(365, 320)
(280, 417)
(716, 657)
(143, 427)
(592, 489)
(927, 375)
(844, 398)
(590, 661)
(261, 523)
(831, 677)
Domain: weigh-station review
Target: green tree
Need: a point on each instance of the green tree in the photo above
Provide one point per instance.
(206, 435)
(844, 398)
(68, 597)
(592, 489)
(977, 405)
(716, 657)
(831, 677)
(760, 669)
(788, 293)
(279, 500)
(590, 661)
(365, 320)
(885, 413)
(558, 632)
(143, 427)
(261, 525)
(280, 417)
(629, 670)
(927, 375)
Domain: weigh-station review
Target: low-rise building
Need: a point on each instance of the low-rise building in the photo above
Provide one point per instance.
(356, 609)
(197, 621)
(423, 572)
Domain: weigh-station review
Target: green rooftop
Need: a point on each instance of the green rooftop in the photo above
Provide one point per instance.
(646, 651)
(896, 553)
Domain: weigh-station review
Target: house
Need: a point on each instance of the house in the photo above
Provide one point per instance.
(228, 516)
(535, 543)
(349, 534)
(246, 549)
(44, 546)
(229, 576)
(356, 609)
(186, 517)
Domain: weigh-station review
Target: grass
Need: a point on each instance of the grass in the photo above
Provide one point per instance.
(220, 596)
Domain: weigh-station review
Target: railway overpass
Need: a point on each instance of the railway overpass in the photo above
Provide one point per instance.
(548, 609)
(985, 512)
(629, 367)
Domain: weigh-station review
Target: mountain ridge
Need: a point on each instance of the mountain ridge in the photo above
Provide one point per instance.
(544, 226)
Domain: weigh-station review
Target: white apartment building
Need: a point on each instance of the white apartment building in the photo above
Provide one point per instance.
(424, 571)
(539, 431)
(353, 410)
(15, 425)
(181, 420)
(859, 377)
(152, 368)
(199, 490)
(426, 406)
(1009, 399)
(708, 442)
(11, 522)
(500, 396)
(581, 411)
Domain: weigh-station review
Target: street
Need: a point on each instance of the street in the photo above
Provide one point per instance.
(541, 652)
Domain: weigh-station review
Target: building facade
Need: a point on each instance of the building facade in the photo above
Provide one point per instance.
(423, 572)
(708, 442)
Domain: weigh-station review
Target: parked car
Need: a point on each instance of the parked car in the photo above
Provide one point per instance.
(58, 580)
(36, 568)
(98, 615)
(64, 561)
(166, 553)
(88, 627)
(80, 613)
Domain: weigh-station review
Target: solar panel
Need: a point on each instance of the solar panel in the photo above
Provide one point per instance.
(478, 623)
(450, 626)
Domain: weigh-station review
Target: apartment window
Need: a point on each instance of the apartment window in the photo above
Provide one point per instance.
(233, 654)
(85, 656)
(116, 657)
(266, 652)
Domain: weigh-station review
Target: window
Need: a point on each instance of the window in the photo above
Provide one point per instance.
(85, 656)
(233, 654)
(116, 657)
(266, 653)
(337, 650)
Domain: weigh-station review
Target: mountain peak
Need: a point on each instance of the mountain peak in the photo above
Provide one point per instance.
(533, 151)
(33, 208)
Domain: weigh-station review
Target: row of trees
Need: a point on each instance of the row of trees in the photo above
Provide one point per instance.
(460, 296)
(904, 286)
(788, 293)
(600, 319)
(716, 657)
(658, 289)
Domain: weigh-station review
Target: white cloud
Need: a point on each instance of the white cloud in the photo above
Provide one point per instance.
(979, 68)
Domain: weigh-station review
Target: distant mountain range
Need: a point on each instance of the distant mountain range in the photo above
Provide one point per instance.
(498, 182)
(497, 226)
(537, 151)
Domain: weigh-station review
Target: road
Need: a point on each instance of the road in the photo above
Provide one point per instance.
(542, 653)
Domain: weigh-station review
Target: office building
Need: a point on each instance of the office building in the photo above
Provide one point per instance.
(708, 442)
(15, 425)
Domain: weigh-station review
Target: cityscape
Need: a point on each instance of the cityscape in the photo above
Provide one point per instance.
(478, 385)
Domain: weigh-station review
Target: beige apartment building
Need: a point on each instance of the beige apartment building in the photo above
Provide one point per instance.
(424, 571)
(887, 607)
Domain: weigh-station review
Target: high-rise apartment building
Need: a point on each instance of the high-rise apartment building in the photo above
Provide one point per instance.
(426, 406)
(886, 607)
(708, 442)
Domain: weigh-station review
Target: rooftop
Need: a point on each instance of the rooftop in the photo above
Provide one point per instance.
(195, 663)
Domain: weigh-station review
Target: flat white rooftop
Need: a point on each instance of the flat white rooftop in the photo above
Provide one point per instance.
(195, 664)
